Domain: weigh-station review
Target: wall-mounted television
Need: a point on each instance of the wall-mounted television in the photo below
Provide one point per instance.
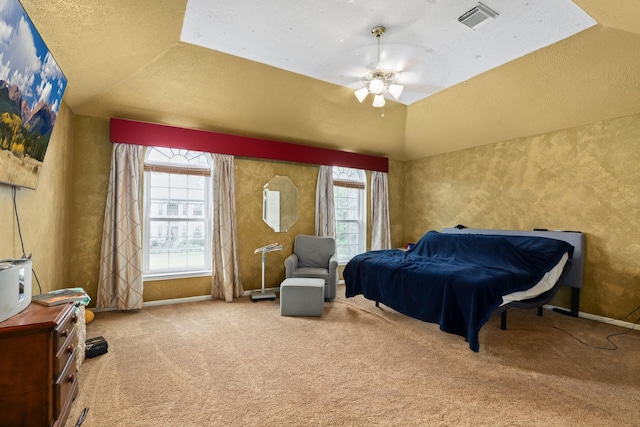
(31, 90)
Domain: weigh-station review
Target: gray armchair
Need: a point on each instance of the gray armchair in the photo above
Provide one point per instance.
(314, 257)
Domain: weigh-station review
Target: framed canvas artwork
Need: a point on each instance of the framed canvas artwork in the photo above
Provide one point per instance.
(31, 90)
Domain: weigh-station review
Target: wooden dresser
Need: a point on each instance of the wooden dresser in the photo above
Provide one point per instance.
(38, 379)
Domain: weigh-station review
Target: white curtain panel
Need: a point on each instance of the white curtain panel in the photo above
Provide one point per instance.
(225, 278)
(380, 233)
(120, 281)
(325, 211)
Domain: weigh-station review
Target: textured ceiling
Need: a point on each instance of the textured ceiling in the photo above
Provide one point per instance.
(424, 42)
(126, 59)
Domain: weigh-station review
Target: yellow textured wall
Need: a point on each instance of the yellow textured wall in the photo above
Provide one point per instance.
(395, 178)
(584, 178)
(250, 176)
(91, 163)
(43, 212)
(157, 290)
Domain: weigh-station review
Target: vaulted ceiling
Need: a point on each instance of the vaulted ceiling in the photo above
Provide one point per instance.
(127, 59)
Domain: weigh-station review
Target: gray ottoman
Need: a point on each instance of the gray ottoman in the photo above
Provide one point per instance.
(302, 297)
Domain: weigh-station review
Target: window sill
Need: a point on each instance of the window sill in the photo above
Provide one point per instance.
(178, 275)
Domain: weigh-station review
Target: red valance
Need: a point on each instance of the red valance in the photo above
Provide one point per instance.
(156, 135)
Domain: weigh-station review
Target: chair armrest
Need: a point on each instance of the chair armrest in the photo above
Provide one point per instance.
(333, 263)
(291, 264)
(333, 278)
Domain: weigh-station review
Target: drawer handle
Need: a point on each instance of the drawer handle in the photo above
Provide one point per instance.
(74, 318)
(70, 348)
(71, 378)
(65, 333)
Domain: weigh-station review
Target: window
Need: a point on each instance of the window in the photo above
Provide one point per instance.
(177, 227)
(350, 203)
(172, 209)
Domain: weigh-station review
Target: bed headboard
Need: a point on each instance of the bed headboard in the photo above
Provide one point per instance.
(574, 277)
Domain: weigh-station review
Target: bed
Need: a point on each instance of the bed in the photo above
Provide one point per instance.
(459, 277)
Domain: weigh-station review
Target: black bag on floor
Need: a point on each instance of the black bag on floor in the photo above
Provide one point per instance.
(95, 347)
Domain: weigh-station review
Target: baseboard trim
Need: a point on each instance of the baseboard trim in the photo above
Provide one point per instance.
(161, 302)
(100, 310)
(177, 300)
(601, 319)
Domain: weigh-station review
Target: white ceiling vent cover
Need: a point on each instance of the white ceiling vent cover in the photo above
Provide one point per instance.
(478, 16)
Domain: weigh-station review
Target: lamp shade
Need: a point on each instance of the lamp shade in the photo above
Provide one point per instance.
(378, 101)
(361, 93)
(376, 86)
(395, 90)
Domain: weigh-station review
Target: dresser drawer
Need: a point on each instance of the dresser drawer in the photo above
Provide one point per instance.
(65, 330)
(65, 353)
(65, 387)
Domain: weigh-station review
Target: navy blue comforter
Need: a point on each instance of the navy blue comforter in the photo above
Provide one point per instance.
(454, 280)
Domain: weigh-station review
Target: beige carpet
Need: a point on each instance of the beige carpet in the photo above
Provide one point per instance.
(242, 364)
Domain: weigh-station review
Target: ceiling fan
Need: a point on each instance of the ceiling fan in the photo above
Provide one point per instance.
(378, 79)
(400, 71)
(419, 70)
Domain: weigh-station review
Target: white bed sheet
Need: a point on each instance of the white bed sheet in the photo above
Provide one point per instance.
(546, 283)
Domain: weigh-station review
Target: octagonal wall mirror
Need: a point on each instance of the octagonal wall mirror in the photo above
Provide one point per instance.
(280, 203)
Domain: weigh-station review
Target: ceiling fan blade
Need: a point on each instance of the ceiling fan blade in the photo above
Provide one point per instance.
(434, 71)
(408, 64)
(401, 56)
(436, 74)
(362, 56)
(348, 76)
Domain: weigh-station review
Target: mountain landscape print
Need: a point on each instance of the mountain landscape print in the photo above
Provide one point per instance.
(31, 90)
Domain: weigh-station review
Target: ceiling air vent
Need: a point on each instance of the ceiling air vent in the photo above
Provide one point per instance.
(478, 16)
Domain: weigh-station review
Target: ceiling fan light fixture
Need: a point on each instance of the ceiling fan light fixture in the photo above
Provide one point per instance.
(377, 79)
(378, 101)
(361, 93)
(395, 90)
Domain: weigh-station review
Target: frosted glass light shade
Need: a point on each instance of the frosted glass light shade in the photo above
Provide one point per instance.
(378, 101)
(395, 90)
(376, 86)
(361, 93)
